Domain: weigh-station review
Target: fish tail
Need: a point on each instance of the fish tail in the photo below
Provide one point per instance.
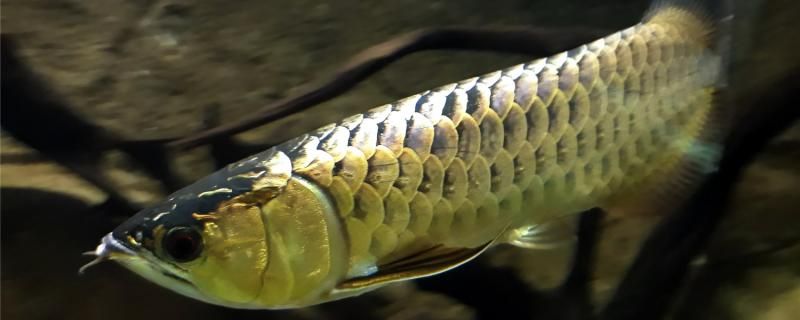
(704, 27)
(707, 23)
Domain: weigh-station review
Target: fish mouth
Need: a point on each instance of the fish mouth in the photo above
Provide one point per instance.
(113, 249)
(138, 261)
(108, 249)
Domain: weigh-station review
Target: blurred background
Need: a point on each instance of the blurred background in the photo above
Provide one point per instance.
(148, 69)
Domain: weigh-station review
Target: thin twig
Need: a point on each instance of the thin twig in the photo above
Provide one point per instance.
(576, 285)
(659, 269)
(534, 41)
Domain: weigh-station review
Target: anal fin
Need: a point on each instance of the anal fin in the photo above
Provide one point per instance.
(431, 261)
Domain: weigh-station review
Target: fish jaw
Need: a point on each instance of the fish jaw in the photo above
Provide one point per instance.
(138, 262)
(108, 249)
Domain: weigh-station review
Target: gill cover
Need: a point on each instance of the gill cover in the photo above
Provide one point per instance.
(308, 253)
(236, 254)
(271, 248)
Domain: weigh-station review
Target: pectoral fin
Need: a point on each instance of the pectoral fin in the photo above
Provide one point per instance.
(425, 263)
(553, 233)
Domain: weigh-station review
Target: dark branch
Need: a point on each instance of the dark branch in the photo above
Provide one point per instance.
(39, 118)
(576, 285)
(659, 269)
(226, 149)
(36, 115)
(533, 41)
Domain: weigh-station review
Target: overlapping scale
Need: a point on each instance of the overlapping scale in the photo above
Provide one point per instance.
(451, 163)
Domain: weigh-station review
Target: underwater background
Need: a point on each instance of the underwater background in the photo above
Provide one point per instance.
(148, 69)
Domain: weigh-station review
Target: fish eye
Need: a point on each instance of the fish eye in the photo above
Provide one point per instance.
(182, 244)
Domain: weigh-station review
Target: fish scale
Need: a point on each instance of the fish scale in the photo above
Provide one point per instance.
(444, 162)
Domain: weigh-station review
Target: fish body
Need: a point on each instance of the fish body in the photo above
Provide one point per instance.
(422, 185)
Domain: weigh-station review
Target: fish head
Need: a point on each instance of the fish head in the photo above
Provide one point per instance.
(216, 256)
(271, 247)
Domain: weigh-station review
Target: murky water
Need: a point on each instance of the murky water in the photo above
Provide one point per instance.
(147, 69)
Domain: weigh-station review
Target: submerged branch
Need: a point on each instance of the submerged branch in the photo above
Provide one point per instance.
(36, 115)
(533, 41)
(648, 289)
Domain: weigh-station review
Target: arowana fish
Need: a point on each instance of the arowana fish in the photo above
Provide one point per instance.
(422, 185)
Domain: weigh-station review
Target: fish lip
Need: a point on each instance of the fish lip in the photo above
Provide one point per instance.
(176, 277)
(113, 248)
(108, 249)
